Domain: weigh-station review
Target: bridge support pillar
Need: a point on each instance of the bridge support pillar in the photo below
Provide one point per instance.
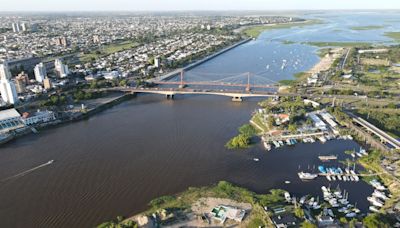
(237, 99)
(170, 96)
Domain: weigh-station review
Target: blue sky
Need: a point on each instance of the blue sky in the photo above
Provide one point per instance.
(156, 5)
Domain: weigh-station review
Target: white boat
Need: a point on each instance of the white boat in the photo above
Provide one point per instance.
(351, 215)
(267, 146)
(339, 177)
(333, 178)
(287, 196)
(322, 139)
(376, 202)
(380, 195)
(51, 161)
(373, 209)
(302, 199)
(344, 178)
(328, 177)
(256, 159)
(307, 176)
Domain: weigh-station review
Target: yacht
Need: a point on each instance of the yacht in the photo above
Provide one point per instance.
(307, 176)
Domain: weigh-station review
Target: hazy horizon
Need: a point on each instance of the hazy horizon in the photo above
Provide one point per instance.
(195, 5)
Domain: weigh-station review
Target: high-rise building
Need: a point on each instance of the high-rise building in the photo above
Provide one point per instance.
(21, 80)
(62, 41)
(96, 39)
(8, 92)
(40, 72)
(15, 27)
(61, 69)
(4, 71)
(7, 87)
(24, 27)
(47, 84)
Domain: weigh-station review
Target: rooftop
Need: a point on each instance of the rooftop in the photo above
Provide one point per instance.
(9, 113)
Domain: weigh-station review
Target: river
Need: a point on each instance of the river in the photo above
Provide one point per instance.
(117, 161)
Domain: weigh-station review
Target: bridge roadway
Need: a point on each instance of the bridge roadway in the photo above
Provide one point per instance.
(378, 132)
(236, 95)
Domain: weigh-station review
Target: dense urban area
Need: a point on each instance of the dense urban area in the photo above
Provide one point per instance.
(62, 68)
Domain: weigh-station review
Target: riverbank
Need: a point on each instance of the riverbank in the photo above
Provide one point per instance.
(67, 119)
(173, 73)
(326, 61)
(256, 30)
(196, 207)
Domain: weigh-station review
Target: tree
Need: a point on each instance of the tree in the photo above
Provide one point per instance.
(375, 220)
(299, 213)
(240, 141)
(292, 128)
(247, 130)
(306, 224)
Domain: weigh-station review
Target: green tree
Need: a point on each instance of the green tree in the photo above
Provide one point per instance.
(306, 224)
(240, 141)
(247, 130)
(292, 128)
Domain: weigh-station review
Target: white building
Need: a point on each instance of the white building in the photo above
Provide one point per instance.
(10, 119)
(61, 69)
(8, 92)
(7, 87)
(38, 117)
(15, 27)
(4, 72)
(318, 123)
(40, 72)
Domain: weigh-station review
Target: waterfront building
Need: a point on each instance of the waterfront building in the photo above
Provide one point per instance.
(38, 117)
(47, 84)
(60, 69)
(10, 119)
(318, 123)
(8, 92)
(40, 72)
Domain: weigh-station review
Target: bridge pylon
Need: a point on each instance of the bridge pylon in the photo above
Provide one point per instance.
(248, 88)
(182, 83)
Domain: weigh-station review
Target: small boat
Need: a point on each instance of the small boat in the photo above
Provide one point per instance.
(307, 176)
(287, 197)
(51, 161)
(376, 202)
(351, 215)
(322, 169)
(327, 158)
(256, 159)
(267, 146)
(373, 209)
(328, 177)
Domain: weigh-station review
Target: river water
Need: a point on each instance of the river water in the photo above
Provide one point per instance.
(117, 161)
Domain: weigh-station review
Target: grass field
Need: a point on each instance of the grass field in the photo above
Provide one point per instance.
(257, 30)
(368, 27)
(337, 44)
(394, 35)
(107, 50)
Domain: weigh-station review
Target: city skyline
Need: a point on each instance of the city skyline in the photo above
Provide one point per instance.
(181, 5)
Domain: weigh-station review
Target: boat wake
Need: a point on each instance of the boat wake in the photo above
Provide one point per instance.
(27, 171)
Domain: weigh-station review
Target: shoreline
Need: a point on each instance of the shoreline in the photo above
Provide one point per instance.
(118, 100)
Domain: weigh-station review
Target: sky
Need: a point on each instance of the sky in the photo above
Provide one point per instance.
(171, 5)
